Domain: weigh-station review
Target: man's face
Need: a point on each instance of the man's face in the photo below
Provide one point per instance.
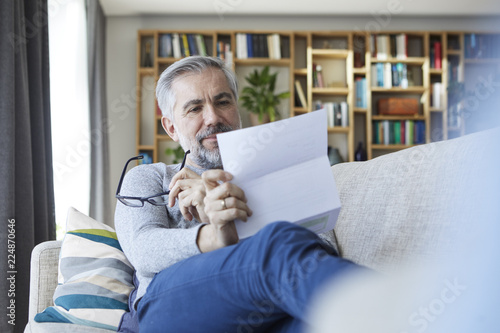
(204, 106)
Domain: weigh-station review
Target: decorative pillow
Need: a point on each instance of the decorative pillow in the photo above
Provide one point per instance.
(95, 277)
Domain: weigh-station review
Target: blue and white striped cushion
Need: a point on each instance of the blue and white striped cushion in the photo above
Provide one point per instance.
(95, 277)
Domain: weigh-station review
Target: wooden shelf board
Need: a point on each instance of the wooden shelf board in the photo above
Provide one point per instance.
(382, 117)
(435, 71)
(360, 70)
(360, 110)
(262, 62)
(145, 147)
(399, 90)
(330, 53)
(299, 110)
(332, 91)
(300, 71)
(338, 129)
(391, 147)
(454, 52)
(409, 60)
(433, 109)
(163, 137)
(169, 60)
(147, 71)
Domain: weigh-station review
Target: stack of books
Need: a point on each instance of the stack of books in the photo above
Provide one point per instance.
(402, 132)
(337, 113)
(262, 46)
(385, 46)
(388, 75)
(181, 45)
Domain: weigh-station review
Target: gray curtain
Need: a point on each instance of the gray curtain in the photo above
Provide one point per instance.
(26, 187)
(100, 199)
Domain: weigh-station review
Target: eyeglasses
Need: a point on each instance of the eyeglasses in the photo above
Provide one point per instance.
(160, 199)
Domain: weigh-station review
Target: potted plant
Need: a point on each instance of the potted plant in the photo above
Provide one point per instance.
(178, 154)
(259, 97)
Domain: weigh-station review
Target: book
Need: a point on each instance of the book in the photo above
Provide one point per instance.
(185, 45)
(344, 114)
(387, 79)
(330, 113)
(276, 46)
(437, 88)
(401, 46)
(287, 178)
(176, 45)
(300, 93)
(337, 114)
(437, 55)
(380, 74)
(319, 76)
(200, 43)
(165, 46)
(250, 46)
(374, 75)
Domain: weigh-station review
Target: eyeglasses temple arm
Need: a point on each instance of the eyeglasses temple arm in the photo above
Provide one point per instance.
(184, 160)
(140, 157)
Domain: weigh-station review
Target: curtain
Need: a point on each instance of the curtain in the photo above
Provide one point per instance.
(26, 195)
(100, 200)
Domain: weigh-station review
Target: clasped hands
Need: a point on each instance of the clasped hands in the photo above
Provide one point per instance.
(211, 199)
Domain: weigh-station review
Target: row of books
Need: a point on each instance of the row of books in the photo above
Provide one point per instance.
(385, 46)
(337, 113)
(224, 51)
(388, 75)
(361, 92)
(435, 55)
(300, 97)
(181, 45)
(262, 46)
(405, 132)
(481, 46)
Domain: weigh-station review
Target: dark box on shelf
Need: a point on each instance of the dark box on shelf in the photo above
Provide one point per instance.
(397, 106)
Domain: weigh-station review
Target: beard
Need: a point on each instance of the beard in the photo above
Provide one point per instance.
(204, 157)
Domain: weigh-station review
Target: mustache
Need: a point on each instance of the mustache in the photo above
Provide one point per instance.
(218, 128)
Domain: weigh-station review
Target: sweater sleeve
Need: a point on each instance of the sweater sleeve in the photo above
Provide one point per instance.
(153, 237)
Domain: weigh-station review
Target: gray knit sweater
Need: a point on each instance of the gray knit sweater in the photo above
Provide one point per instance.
(153, 237)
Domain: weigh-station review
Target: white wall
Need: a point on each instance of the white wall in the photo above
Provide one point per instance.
(122, 41)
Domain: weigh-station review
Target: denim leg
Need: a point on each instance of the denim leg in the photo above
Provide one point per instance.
(246, 287)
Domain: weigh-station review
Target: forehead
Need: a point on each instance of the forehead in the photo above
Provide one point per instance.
(194, 85)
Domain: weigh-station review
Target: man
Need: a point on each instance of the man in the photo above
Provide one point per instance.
(193, 273)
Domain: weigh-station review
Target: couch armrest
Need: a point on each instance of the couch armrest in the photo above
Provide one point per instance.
(43, 278)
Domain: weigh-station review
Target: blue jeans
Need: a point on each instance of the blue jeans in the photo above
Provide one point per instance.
(262, 284)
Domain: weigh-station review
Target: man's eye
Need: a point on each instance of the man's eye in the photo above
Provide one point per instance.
(195, 109)
(224, 102)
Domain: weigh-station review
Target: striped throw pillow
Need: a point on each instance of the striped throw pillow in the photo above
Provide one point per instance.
(95, 277)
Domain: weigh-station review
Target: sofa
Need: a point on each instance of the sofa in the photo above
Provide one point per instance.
(408, 209)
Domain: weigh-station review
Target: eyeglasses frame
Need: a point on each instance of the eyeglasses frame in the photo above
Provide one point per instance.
(143, 199)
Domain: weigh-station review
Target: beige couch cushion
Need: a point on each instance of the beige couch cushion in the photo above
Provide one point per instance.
(412, 202)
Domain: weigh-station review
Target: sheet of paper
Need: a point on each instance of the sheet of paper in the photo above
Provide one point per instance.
(284, 170)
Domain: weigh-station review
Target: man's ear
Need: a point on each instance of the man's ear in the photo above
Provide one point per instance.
(168, 126)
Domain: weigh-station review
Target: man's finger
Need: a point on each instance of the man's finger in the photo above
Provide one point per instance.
(227, 190)
(211, 178)
(185, 173)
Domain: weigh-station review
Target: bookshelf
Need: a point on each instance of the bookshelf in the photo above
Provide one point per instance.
(348, 73)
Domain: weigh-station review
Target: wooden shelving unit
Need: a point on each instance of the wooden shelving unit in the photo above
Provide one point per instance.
(345, 58)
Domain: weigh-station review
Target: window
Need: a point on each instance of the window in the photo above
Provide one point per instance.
(69, 107)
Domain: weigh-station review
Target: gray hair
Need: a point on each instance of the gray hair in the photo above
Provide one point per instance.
(196, 64)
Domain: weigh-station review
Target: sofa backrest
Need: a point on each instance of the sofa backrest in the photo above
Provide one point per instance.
(412, 203)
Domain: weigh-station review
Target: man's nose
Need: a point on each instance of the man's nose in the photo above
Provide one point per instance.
(211, 115)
